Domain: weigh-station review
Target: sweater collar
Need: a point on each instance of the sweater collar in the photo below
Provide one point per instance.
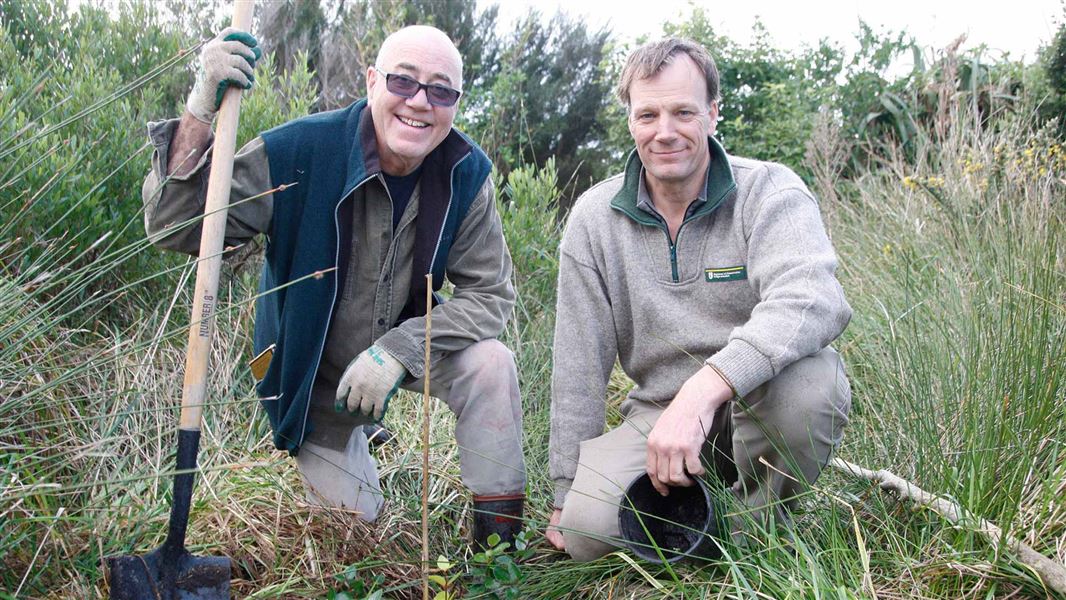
(719, 183)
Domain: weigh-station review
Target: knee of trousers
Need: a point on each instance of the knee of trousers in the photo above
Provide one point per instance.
(486, 386)
(492, 363)
(806, 405)
(589, 524)
(484, 395)
(589, 521)
(345, 478)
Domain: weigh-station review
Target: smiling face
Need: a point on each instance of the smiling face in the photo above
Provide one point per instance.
(408, 129)
(670, 118)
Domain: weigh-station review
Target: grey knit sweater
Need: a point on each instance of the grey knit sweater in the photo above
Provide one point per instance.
(747, 287)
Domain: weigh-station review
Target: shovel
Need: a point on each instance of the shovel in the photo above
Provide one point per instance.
(171, 572)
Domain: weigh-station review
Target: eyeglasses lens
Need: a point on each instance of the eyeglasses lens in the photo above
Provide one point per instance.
(407, 87)
(401, 86)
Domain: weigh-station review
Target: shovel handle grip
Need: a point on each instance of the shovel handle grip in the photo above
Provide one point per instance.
(205, 302)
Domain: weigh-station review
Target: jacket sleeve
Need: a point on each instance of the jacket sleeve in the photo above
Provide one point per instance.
(173, 206)
(479, 266)
(584, 353)
(801, 308)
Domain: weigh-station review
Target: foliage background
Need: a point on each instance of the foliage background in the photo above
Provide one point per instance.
(942, 189)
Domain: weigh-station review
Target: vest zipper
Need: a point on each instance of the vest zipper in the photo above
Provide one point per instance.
(447, 211)
(332, 304)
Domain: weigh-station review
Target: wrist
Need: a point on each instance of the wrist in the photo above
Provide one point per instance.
(199, 103)
(707, 392)
(391, 368)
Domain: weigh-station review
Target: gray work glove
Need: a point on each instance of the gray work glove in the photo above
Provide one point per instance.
(370, 382)
(227, 60)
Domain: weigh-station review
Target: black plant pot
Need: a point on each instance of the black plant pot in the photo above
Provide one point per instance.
(684, 525)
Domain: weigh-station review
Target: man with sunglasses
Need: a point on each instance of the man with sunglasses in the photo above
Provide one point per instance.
(711, 280)
(375, 196)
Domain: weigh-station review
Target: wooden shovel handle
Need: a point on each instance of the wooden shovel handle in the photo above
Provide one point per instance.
(205, 302)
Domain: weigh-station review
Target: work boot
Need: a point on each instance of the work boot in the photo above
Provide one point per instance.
(501, 515)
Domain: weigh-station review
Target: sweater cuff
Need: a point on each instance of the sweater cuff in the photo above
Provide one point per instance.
(742, 365)
(562, 488)
(406, 349)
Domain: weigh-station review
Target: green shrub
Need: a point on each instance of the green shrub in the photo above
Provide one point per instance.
(79, 88)
(1054, 67)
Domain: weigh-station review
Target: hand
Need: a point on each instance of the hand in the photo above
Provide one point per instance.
(227, 60)
(552, 533)
(675, 442)
(370, 382)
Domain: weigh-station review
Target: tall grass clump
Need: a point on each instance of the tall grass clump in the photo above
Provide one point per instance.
(91, 327)
(954, 266)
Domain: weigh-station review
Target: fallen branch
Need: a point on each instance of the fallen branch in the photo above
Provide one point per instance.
(1050, 571)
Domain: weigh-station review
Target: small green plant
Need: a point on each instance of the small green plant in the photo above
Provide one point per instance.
(445, 580)
(352, 587)
(495, 572)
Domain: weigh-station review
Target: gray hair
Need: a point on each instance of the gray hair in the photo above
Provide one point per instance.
(652, 57)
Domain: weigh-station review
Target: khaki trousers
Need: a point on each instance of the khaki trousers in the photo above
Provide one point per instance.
(479, 384)
(791, 422)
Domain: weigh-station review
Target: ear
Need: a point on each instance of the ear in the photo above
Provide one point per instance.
(713, 114)
(371, 79)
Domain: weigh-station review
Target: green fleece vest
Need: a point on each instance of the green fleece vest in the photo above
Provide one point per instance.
(321, 159)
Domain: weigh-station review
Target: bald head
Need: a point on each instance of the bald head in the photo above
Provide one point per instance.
(409, 126)
(427, 45)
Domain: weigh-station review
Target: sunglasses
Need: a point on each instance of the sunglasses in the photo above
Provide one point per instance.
(407, 87)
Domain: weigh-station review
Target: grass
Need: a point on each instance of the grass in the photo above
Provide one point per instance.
(953, 263)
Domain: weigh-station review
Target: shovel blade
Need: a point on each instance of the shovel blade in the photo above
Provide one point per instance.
(157, 576)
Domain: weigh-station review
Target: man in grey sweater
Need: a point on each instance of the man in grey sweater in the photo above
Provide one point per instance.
(710, 278)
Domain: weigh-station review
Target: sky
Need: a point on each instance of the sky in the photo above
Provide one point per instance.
(1017, 26)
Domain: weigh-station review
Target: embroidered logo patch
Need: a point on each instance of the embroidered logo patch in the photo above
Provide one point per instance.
(725, 274)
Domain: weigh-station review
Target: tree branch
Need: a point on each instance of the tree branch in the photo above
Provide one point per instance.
(1050, 571)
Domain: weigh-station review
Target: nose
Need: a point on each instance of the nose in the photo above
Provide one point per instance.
(665, 129)
(420, 100)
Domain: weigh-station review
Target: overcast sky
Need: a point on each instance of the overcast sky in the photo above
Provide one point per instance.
(1015, 26)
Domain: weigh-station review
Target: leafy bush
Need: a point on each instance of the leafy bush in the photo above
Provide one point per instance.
(1054, 63)
(496, 572)
(78, 90)
(529, 210)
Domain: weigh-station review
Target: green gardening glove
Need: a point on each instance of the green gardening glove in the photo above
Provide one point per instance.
(370, 382)
(227, 60)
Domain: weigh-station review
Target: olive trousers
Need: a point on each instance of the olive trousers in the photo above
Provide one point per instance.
(479, 384)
